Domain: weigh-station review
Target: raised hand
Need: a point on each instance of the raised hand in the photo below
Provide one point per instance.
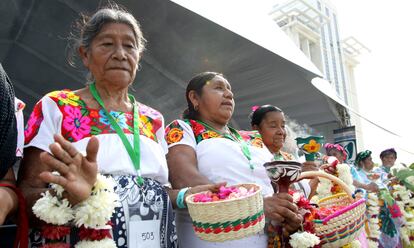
(77, 172)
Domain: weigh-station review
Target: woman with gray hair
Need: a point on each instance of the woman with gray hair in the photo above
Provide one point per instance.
(101, 128)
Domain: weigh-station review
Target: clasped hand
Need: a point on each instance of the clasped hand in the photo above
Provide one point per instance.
(281, 209)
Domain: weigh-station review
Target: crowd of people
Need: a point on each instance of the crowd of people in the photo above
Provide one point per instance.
(73, 136)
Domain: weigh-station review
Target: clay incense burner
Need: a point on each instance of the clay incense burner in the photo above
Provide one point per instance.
(282, 174)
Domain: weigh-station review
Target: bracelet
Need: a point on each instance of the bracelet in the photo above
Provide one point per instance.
(180, 197)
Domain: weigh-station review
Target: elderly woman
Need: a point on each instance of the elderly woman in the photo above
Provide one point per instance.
(203, 149)
(101, 128)
(270, 122)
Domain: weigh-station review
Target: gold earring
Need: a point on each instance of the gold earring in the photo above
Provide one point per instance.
(196, 107)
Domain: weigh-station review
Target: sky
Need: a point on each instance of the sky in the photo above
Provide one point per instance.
(385, 85)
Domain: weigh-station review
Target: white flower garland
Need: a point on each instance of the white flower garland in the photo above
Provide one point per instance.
(373, 213)
(372, 244)
(344, 173)
(303, 240)
(354, 244)
(52, 209)
(95, 212)
(404, 201)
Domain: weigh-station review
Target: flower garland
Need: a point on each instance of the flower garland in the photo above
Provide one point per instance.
(327, 188)
(405, 201)
(305, 238)
(374, 224)
(91, 216)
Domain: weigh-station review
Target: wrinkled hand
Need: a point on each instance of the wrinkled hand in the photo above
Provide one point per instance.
(372, 187)
(281, 209)
(309, 166)
(77, 172)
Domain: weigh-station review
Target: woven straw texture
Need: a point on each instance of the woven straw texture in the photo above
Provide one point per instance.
(229, 219)
(345, 225)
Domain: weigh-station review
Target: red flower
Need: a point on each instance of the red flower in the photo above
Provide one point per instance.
(395, 211)
(55, 245)
(197, 127)
(93, 234)
(55, 232)
(94, 114)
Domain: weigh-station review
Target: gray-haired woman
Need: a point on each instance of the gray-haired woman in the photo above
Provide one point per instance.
(82, 132)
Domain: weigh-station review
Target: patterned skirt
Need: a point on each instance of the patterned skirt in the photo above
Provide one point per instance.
(147, 202)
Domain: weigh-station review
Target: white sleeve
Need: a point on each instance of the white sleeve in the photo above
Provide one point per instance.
(44, 122)
(179, 132)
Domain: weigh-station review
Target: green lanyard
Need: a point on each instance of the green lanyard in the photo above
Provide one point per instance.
(236, 138)
(278, 157)
(134, 152)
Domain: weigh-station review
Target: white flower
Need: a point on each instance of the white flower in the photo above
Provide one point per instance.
(97, 210)
(372, 244)
(355, 244)
(344, 173)
(104, 183)
(296, 197)
(52, 210)
(405, 235)
(104, 243)
(56, 187)
(303, 240)
(324, 187)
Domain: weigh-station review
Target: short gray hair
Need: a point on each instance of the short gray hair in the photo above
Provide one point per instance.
(88, 27)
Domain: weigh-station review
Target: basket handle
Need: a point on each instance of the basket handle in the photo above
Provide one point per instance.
(312, 174)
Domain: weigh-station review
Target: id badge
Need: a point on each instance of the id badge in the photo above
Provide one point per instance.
(144, 233)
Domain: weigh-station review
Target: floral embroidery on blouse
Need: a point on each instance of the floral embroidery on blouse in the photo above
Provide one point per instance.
(174, 133)
(33, 124)
(252, 137)
(79, 121)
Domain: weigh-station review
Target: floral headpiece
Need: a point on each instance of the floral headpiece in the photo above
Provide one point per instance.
(361, 156)
(255, 107)
(330, 146)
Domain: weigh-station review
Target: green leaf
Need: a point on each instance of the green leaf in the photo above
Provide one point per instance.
(95, 130)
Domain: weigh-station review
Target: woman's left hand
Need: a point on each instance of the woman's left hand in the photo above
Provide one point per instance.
(77, 172)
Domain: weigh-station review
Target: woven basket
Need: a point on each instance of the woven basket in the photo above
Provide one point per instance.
(343, 226)
(228, 219)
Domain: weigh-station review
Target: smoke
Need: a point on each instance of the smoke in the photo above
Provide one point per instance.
(294, 130)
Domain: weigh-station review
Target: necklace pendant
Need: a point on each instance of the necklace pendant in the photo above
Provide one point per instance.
(251, 165)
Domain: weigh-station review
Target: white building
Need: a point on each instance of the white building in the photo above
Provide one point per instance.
(313, 26)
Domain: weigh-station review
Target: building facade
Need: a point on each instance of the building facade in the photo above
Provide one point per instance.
(313, 27)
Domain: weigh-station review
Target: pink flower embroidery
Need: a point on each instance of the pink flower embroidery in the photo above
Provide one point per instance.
(33, 124)
(75, 123)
